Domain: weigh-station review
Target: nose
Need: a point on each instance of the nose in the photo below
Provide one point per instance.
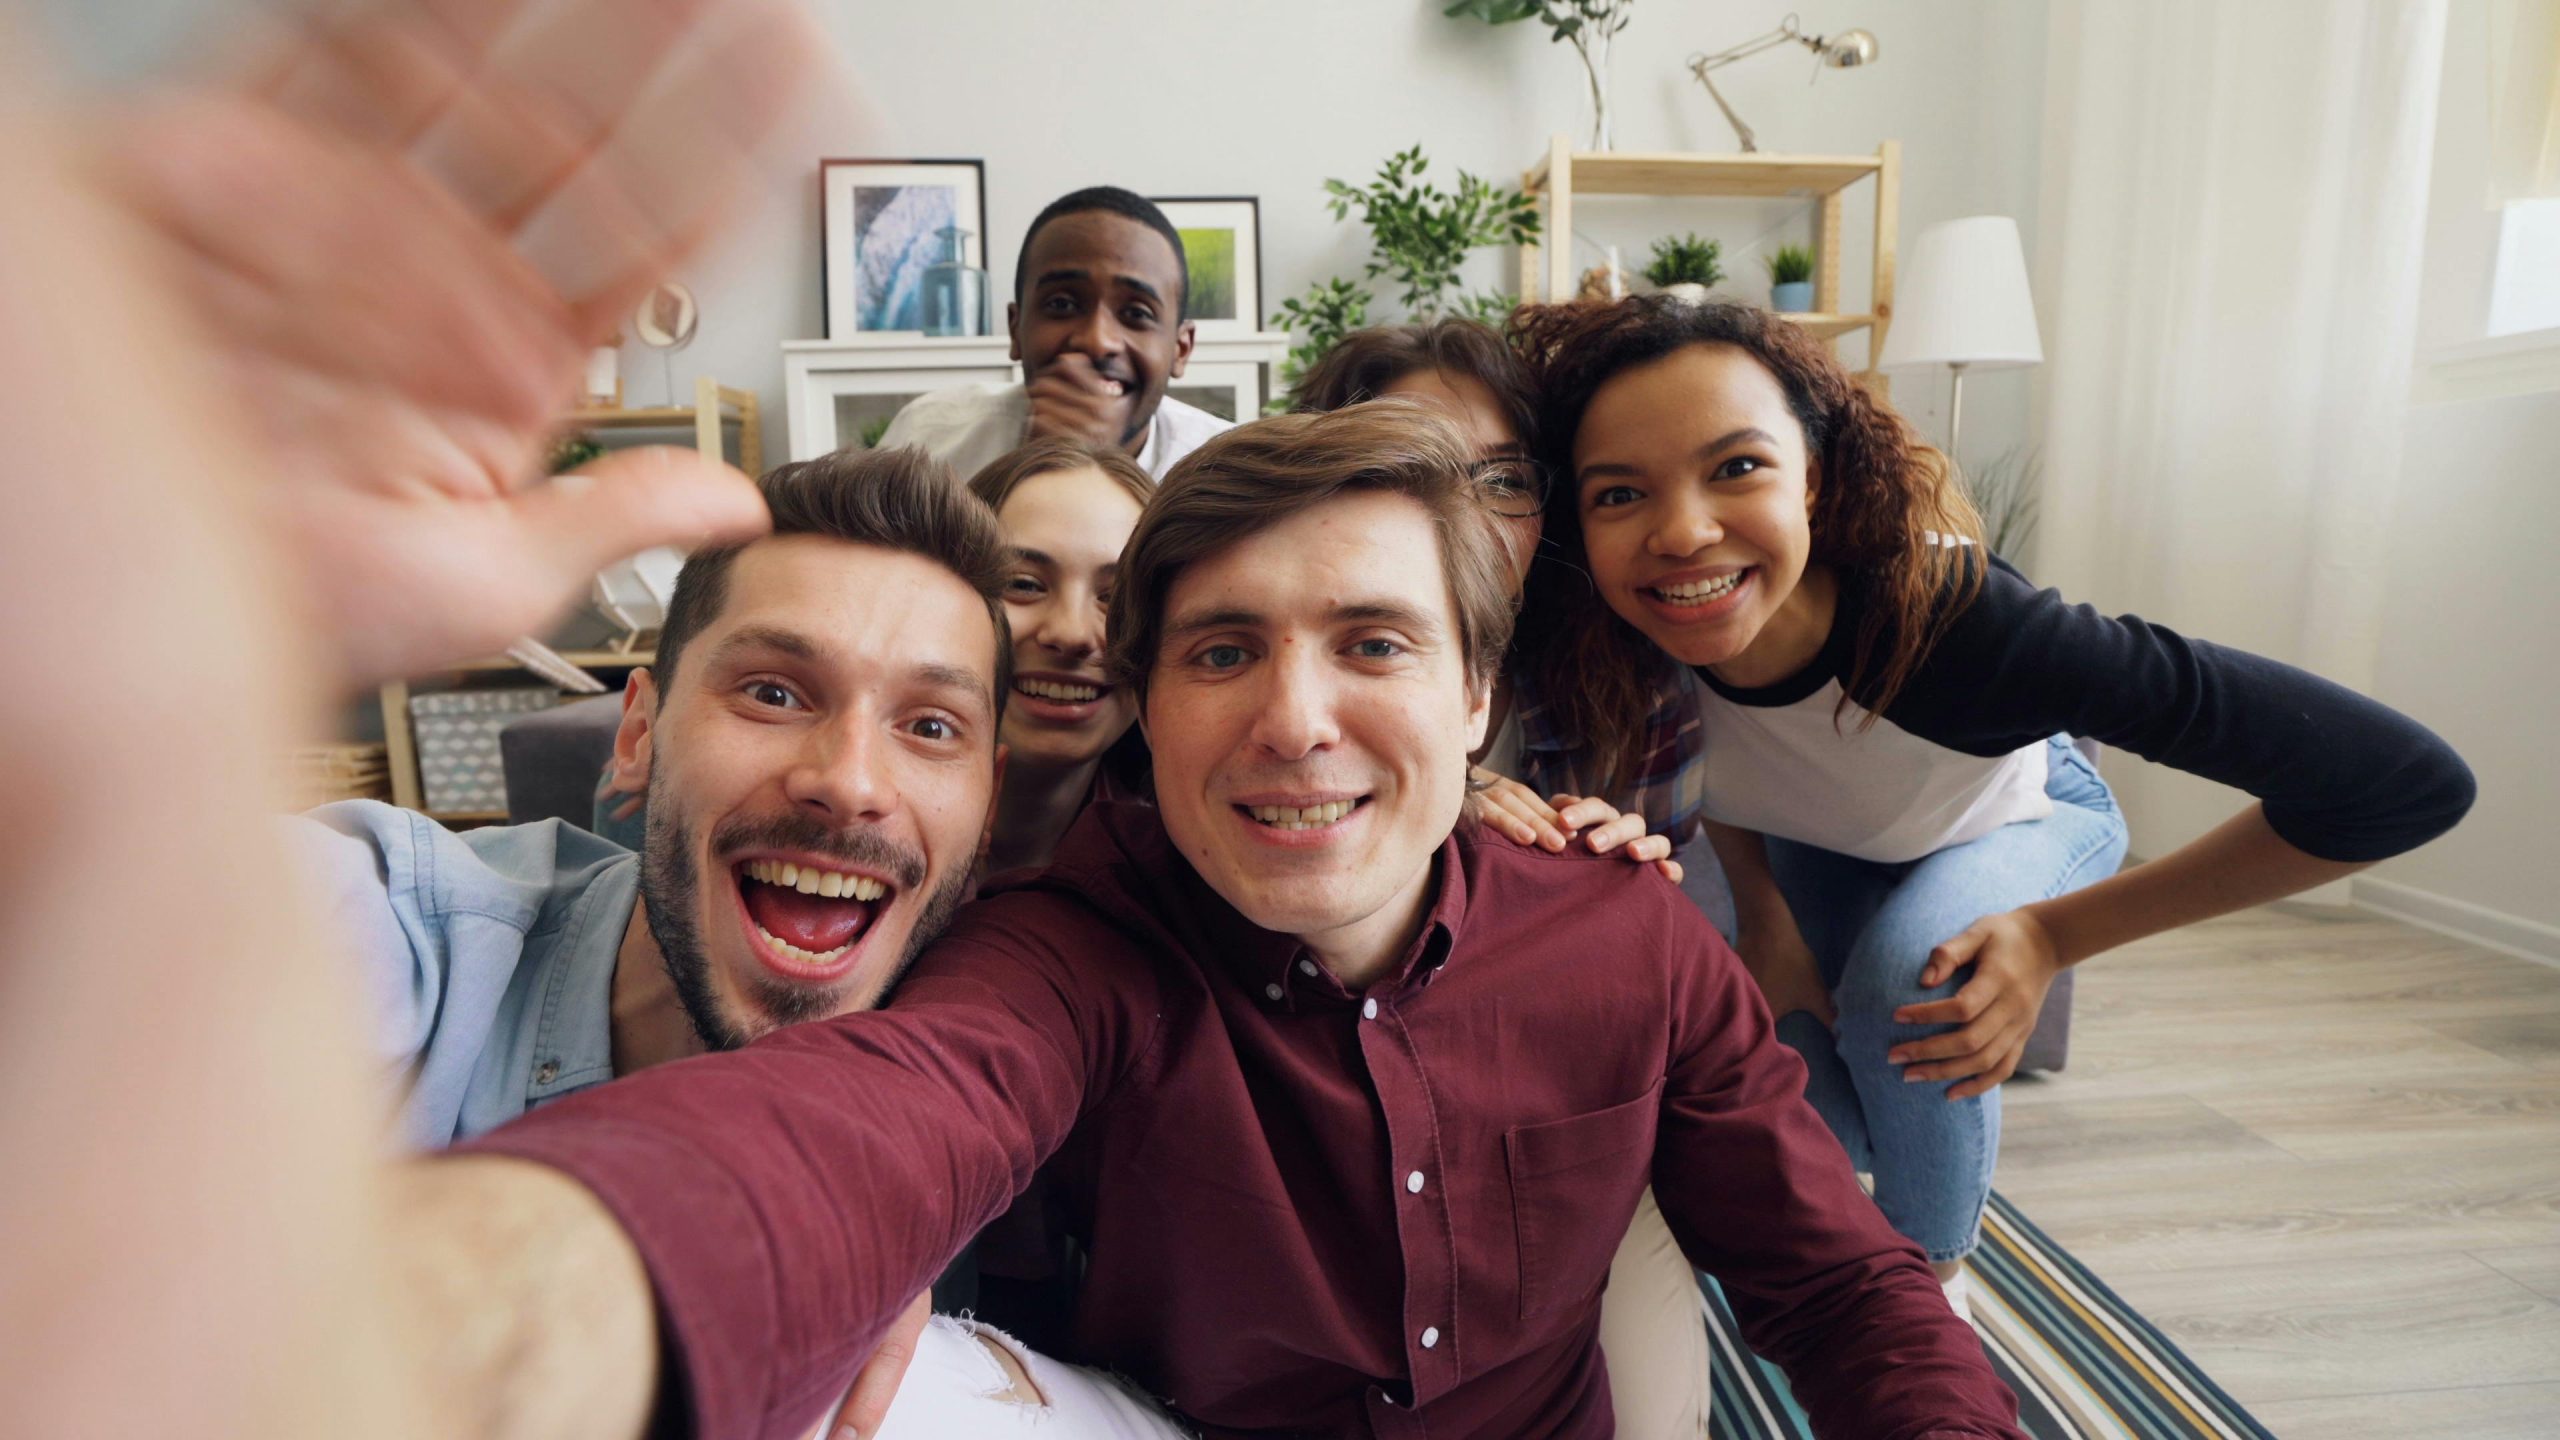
(1098, 335)
(1070, 627)
(842, 773)
(1687, 525)
(1295, 716)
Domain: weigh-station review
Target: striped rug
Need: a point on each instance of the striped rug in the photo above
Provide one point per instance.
(2083, 1364)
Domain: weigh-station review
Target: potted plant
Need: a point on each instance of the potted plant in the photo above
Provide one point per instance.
(1685, 266)
(1419, 236)
(1587, 25)
(1791, 279)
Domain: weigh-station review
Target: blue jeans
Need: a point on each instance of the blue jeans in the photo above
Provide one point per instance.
(1871, 927)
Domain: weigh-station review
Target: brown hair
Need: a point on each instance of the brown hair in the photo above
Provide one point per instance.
(1882, 489)
(1362, 364)
(1255, 476)
(902, 500)
(996, 482)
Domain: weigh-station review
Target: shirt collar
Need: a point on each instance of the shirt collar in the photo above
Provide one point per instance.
(1277, 969)
(573, 1014)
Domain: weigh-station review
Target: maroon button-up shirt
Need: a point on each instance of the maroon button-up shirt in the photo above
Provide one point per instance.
(1307, 1210)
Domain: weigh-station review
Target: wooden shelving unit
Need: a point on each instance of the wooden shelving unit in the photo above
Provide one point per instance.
(714, 407)
(400, 742)
(1547, 272)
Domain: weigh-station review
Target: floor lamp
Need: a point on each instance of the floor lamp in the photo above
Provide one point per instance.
(1963, 302)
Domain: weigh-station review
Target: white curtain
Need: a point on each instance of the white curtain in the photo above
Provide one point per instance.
(2234, 203)
(2524, 100)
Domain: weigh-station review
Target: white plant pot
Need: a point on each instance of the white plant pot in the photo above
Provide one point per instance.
(1688, 292)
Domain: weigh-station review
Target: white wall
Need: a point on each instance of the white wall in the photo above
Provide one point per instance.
(1253, 97)
(2469, 645)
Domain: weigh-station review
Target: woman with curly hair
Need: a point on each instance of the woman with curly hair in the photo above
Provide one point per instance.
(1890, 706)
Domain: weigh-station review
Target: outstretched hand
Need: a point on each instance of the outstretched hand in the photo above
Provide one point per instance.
(401, 234)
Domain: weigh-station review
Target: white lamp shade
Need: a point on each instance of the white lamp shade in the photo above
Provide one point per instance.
(1963, 300)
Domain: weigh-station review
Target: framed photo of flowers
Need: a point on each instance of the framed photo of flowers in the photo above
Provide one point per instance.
(881, 229)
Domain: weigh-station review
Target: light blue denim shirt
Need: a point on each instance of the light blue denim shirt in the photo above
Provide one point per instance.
(489, 955)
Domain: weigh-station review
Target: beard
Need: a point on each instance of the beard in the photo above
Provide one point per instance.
(671, 901)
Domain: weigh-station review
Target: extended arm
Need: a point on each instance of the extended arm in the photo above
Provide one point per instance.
(1759, 1194)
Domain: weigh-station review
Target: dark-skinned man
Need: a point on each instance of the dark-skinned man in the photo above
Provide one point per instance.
(1099, 322)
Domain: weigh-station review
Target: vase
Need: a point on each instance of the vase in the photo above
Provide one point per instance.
(1594, 50)
(1792, 297)
(955, 291)
(1687, 292)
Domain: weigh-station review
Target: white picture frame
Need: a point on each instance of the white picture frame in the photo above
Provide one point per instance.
(1228, 389)
(878, 233)
(1222, 247)
(834, 388)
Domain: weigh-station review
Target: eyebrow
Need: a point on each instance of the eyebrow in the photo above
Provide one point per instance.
(1386, 612)
(1721, 443)
(957, 677)
(767, 637)
(1074, 275)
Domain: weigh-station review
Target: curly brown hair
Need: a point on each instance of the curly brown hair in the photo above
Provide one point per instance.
(1884, 495)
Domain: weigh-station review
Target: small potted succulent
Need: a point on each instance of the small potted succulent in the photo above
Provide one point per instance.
(1791, 279)
(1684, 266)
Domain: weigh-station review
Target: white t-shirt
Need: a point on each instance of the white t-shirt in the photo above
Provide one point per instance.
(969, 425)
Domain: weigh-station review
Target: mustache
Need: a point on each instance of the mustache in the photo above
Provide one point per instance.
(860, 846)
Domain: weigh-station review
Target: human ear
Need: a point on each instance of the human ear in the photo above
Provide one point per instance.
(634, 740)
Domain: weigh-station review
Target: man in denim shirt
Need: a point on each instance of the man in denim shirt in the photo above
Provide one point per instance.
(819, 740)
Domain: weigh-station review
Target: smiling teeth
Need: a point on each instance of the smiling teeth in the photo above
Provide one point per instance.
(1052, 690)
(1699, 592)
(816, 960)
(1293, 817)
(812, 881)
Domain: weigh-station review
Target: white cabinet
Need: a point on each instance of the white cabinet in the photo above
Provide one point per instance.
(843, 392)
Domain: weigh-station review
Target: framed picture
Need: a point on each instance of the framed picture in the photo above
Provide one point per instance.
(1228, 389)
(1222, 243)
(881, 229)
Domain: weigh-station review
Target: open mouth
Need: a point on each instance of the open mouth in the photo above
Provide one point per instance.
(807, 921)
(1061, 696)
(1697, 594)
(1319, 815)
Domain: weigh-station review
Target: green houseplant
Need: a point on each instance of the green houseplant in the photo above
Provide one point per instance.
(1685, 266)
(1587, 25)
(1790, 279)
(1419, 236)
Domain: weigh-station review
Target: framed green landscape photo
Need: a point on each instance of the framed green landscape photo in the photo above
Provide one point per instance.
(1222, 243)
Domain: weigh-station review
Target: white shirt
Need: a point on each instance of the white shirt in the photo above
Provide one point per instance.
(968, 426)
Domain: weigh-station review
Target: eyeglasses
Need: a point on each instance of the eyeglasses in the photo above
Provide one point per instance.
(1513, 486)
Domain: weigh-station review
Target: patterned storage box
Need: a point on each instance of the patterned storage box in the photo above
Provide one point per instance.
(457, 735)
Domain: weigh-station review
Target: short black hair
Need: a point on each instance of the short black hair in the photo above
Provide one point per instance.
(899, 500)
(1117, 201)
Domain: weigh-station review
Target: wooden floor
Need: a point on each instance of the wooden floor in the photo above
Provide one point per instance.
(2323, 1155)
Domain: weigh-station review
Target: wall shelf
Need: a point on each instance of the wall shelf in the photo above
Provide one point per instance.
(1547, 272)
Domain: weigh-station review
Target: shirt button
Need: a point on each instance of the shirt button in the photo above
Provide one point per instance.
(1430, 1336)
(1413, 1183)
(1368, 1009)
(1271, 990)
(1307, 968)
(549, 1072)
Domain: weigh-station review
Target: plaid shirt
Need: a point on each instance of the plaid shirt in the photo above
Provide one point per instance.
(1669, 789)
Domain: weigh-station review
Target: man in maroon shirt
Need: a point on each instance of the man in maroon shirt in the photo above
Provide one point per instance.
(1349, 1105)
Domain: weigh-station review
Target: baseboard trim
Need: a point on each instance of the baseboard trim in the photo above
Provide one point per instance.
(2510, 934)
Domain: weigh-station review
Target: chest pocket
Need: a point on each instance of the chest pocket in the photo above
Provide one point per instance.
(1574, 1186)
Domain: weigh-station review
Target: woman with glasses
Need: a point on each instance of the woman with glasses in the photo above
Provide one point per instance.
(1540, 787)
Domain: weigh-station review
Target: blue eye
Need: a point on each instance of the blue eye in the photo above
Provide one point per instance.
(1223, 657)
(1377, 649)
